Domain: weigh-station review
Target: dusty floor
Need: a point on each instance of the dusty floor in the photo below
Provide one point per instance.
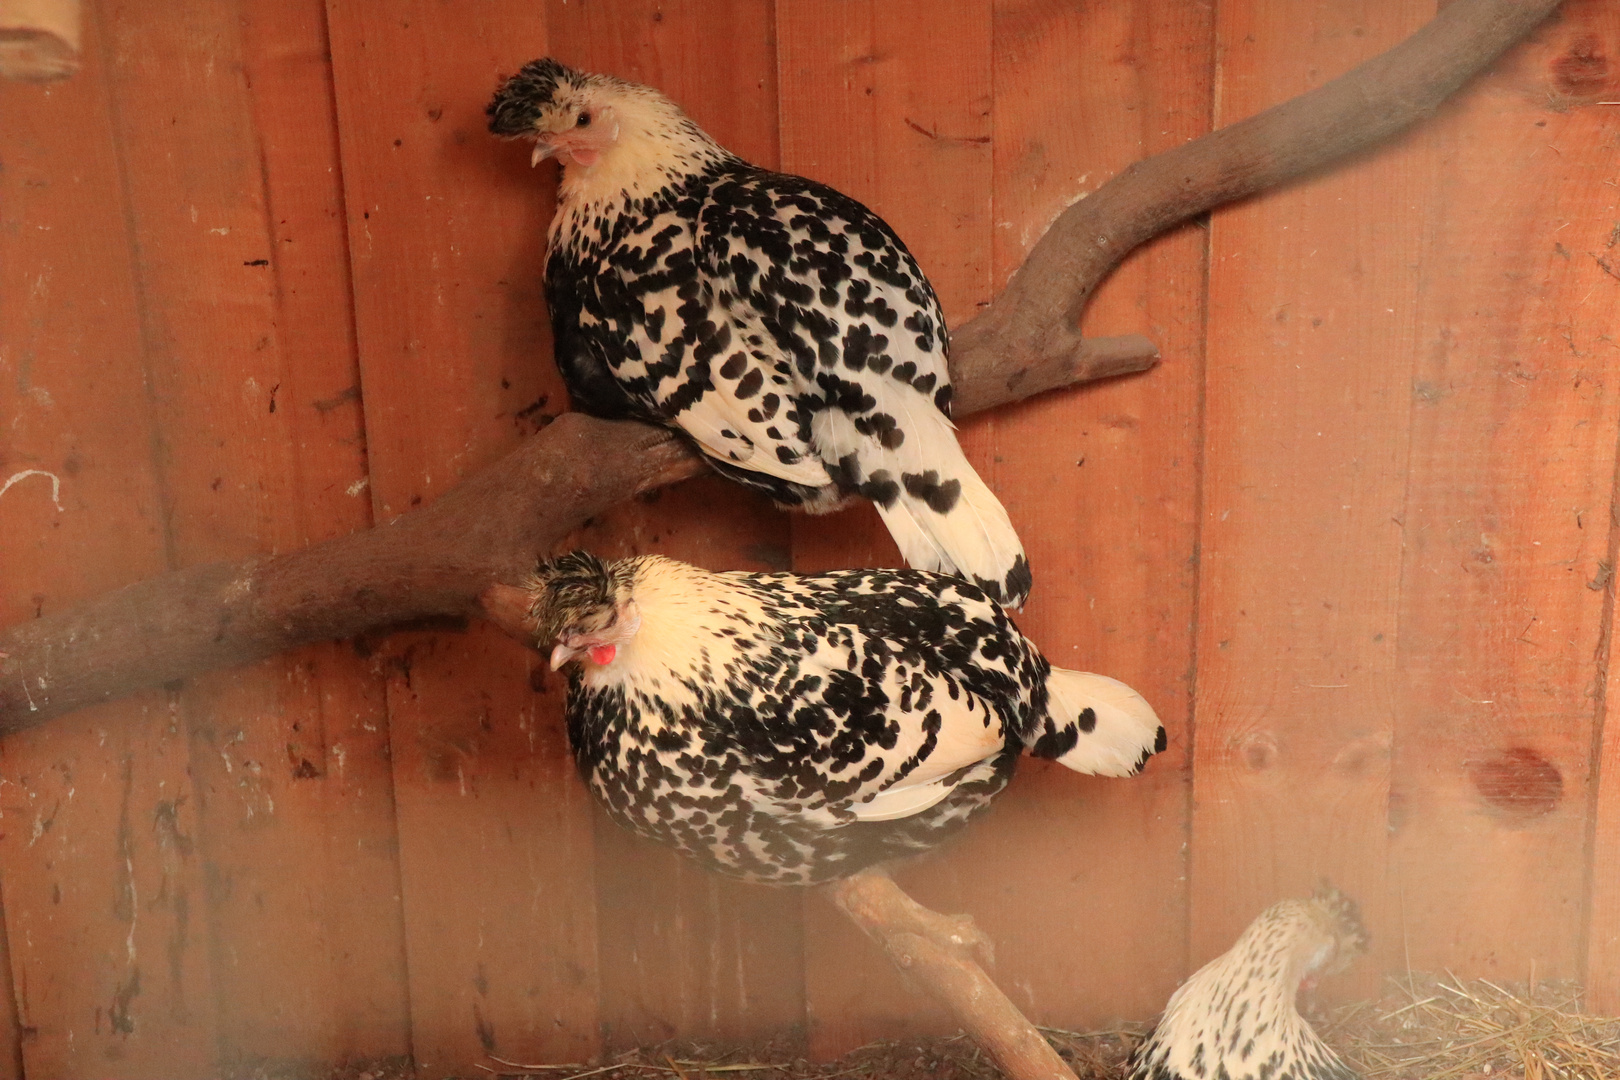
(1093, 1058)
(1424, 1028)
(1100, 1057)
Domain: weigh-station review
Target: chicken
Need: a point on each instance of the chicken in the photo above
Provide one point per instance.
(1235, 1018)
(782, 326)
(794, 729)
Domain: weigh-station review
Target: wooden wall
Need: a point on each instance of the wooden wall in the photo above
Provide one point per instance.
(265, 279)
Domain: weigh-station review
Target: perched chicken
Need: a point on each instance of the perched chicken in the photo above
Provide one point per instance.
(797, 728)
(1235, 1018)
(781, 325)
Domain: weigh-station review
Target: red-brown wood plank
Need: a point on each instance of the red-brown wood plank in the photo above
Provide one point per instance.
(684, 952)
(1410, 455)
(1081, 880)
(105, 904)
(1507, 522)
(1602, 976)
(687, 953)
(1312, 335)
(346, 999)
(446, 229)
(899, 118)
(1565, 51)
(239, 437)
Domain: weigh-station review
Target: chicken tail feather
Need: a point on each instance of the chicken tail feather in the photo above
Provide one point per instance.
(1096, 725)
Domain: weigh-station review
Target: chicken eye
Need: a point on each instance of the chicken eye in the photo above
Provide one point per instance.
(584, 120)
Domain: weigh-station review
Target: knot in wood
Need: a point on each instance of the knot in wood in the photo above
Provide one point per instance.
(1259, 750)
(1518, 784)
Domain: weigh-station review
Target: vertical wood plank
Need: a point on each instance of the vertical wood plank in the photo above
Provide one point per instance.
(1602, 976)
(446, 230)
(1407, 518)
(1103, 483)
(105, 900)
(683, 952)
(224, 458)
(1508, 517)
(900, 120)
(1590, 29)
(239, 438)
(345, 998)
(1312, 330)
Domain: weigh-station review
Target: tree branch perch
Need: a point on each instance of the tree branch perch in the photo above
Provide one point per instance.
(434, 562)
(440, 560)
(937, 952)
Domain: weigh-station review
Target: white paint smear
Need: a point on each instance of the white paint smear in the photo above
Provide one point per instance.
(56, 483)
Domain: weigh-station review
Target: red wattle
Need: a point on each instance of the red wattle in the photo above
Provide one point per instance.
(603, 654)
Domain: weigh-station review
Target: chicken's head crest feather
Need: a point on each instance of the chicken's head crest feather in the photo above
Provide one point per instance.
(1342, 917)
(519, 104)
(573, 594)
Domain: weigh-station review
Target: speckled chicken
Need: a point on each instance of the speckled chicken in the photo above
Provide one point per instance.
(794, 729)
(1236, 1019)
(781, 325)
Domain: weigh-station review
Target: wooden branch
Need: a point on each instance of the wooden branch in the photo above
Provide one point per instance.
(1037, 314)
(436, 562)
(934, 952)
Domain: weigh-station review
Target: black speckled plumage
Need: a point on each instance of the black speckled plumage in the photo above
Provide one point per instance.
(1235, 1018)
(781, 325)
(793, 729)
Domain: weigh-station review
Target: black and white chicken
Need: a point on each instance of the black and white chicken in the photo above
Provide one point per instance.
(780, 324)
(794, 729)
(1236, 1018)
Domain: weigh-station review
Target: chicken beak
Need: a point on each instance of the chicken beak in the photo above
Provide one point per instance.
(561, 655)
(542, 150)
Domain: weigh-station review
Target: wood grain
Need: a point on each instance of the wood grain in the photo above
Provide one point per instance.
(1507, 520)
(1103, 484)
(1024, 342)
(1404, 631)
(883, 113)
(332, 988)
(228, 396)
(105, 900)
(1019, 868)
(1602, 972)
(1305, 449)
(446, 229)
(1558, 63)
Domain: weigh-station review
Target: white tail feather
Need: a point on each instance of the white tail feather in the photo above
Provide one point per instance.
(1126, 730)
(917, 544)
(977, 535)
(974, 538)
